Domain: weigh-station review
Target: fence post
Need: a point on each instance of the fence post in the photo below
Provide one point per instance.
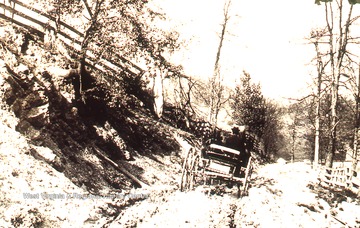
(13, 12)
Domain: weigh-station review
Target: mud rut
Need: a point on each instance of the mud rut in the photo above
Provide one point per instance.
(205, 206)
(279, 196)
(172, 208)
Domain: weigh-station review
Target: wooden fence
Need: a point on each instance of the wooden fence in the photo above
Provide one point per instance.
(340, 177)
(41, 24)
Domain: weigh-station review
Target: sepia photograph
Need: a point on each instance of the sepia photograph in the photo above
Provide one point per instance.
(192, 113)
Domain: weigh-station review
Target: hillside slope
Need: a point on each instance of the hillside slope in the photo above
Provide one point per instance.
(33, 193)
(52, 143)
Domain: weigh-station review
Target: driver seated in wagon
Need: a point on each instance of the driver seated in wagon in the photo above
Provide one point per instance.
(237, 141)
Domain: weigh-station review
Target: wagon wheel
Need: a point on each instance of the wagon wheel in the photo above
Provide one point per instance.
(193, 172)
(247, 177)
(186, 170)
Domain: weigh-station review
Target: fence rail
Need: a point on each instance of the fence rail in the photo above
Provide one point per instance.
(341, 177)
(40, 24)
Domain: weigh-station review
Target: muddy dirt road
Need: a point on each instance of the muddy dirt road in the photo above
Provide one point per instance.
(281, 195)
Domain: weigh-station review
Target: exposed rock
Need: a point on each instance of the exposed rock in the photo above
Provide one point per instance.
(22, 69)
(58, 72)
(28, 130)
(43, 153)
(27, 217)
(38, 116)
(109, 134)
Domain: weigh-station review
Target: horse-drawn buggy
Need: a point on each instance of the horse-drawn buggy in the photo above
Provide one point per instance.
(225, 162)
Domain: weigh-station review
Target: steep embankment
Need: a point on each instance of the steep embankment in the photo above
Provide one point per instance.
(33, 193)
(42, 90)
(25, 181)
(54, 143)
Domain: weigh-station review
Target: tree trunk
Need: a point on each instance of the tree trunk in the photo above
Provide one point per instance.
(334, 92)
(216, 87)
(293, 146)
(293, 136)
(355, 151)
(317, 133)
(338, 47)
(320, 69)
(158, 94)
(334, 121)
(357, 125)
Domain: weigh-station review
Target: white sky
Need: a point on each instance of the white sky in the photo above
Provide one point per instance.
(267, 41)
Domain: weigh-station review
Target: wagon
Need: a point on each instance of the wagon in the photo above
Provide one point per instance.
(215, 162)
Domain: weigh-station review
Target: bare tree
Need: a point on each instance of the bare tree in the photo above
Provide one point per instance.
(315, 38)
(337, 37)
(354, 86)
(357, 122)
(185, 98)
(294, 124)
(217, 95)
